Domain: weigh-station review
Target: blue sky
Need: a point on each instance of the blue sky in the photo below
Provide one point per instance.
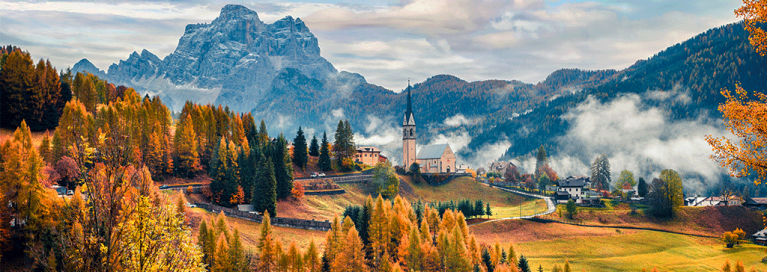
(386, 41)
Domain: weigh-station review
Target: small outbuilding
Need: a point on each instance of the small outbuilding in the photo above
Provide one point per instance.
(760, 237)
(756, 203)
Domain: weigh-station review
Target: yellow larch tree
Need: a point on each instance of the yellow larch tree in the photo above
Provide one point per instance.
(745, 117)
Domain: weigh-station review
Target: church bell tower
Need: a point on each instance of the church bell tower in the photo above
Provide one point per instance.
(408, 134)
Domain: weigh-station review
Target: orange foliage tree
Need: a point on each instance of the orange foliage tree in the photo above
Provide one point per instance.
(298, 190)
(745, 118)
(754, 12)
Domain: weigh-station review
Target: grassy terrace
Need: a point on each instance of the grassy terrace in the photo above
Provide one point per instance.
(609, 249)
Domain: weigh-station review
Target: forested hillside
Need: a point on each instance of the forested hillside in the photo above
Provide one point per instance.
(684, 81)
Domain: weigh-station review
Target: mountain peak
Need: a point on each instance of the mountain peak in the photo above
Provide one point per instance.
(237, 11)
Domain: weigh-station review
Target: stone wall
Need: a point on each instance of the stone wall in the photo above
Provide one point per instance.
(276, 221)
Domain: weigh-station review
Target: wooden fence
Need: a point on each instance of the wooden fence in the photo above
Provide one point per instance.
(276, 221)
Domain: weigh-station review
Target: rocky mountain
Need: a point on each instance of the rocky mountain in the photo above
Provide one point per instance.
(232, 60)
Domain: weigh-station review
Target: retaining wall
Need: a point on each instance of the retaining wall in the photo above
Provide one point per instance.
(276, 221)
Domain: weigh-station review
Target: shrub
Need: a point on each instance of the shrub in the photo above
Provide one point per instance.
(733, 238)
(572, 210)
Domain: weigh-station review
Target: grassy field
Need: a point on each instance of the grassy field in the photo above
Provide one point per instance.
(709, 221)
(609, 249)
(503, 204)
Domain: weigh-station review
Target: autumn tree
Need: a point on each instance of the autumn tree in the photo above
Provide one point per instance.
(540, 160)
(745, 117)
(186, 153)
(68, 172)
(600, 172)
(160, 240)
(300, 156)
(385, 180)
(625, 180)
(29, 92)
(512, 174)
(666, 194)
(20, 181)
(732, 238)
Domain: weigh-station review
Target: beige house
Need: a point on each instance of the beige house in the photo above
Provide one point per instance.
(436, 159)
(368, 155)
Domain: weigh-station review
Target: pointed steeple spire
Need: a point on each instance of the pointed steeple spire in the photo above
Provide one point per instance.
(409, 111)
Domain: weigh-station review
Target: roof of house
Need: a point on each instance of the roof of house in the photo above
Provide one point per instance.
(432, 151)
(757, 200)
(368, 149)
(761, 233)
(572, 182)
(563, 193)
(500, 165)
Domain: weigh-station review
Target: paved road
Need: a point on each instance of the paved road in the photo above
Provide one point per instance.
(549, 203)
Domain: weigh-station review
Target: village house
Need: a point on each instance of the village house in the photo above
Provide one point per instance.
(760, 237)
(713, 201)
(500, 167)
(481, 171)
(574, 187)
(368, 155)
(756, 203)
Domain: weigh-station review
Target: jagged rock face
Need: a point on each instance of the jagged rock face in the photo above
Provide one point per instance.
(232, 60)
(136, 66)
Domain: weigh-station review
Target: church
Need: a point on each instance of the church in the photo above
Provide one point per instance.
(437, 158)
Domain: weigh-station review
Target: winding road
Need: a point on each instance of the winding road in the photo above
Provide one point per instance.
(549, 203)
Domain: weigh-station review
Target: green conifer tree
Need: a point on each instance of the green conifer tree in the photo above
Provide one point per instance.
(283, 167)
(314, 147)
(300, 156)
(324, 161)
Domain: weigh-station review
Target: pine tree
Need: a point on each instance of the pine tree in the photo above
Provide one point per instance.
(524, 266)
(263, 135)
(283, 167)
(300, 157)
(600, 172)
(314, 147)
(324, 161)
(264, 196)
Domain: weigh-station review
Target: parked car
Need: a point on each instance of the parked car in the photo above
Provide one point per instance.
(314, 174)
(322, 174)
(162, 187)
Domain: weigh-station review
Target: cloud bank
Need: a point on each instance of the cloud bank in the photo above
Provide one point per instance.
(638, 138)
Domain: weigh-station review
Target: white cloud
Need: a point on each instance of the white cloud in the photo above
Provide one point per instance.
(638, 138)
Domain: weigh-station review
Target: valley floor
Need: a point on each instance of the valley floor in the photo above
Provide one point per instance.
(610, 249)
